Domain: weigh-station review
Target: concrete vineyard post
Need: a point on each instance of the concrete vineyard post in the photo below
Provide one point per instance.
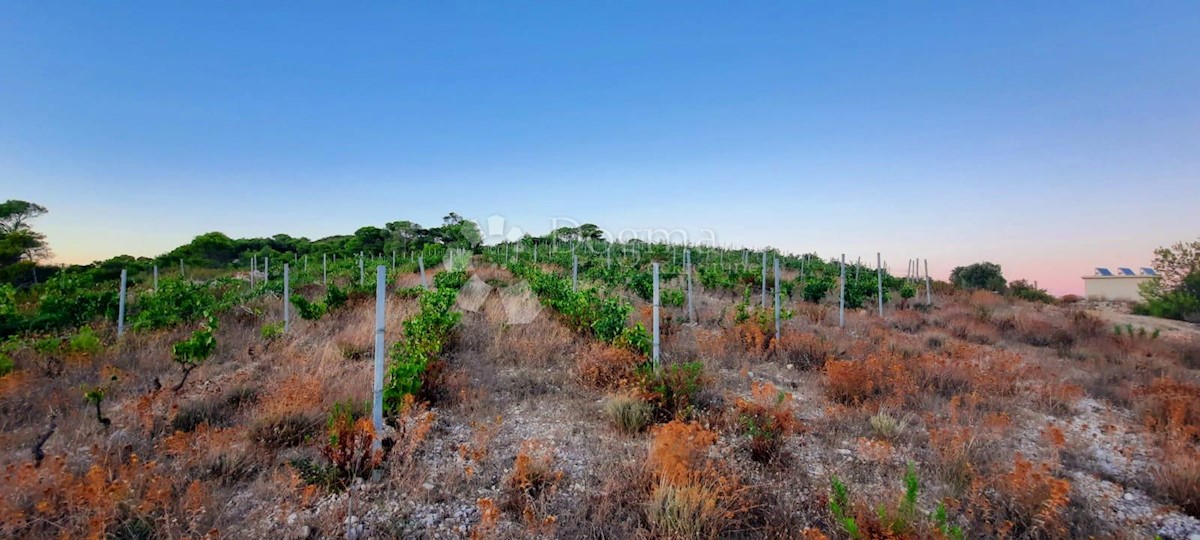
(362, 276)
(777, 298)
(253, 269)
(764, 280)
(421, 265)
(879, 275)
(377, 386)
(287, 321)
(181, 268)
(928, 291)
(857, 265)
(306, 265)
(655, 356)
(574, 272)
(325, 269)
(535, 254)
(266, 269)
(687, 261)
(121, 306)
(393, 258)
(842, 294)
(608, 256)
(156, 278)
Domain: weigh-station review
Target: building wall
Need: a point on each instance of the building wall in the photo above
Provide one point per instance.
(1113, 288)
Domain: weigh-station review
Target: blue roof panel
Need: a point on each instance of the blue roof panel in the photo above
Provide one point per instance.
(1103, 272)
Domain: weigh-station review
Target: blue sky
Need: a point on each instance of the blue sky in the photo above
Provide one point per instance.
(1047, 137)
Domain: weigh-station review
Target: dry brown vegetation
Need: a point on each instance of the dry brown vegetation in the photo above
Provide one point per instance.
(1020, 421)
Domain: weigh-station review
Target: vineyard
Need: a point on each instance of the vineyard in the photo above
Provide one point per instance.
(580, 388)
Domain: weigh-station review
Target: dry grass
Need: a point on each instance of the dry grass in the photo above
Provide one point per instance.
(963, 389)
(605, 367)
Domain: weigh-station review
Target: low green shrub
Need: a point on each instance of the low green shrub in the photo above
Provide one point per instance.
(671, 389)
(85, 342)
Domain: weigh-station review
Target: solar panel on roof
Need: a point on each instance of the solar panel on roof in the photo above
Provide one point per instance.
(1149, 272)
(1103, 272)
(1126, 272)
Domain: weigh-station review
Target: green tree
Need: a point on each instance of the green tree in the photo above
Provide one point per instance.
(1177, 262)
(984, 275)
(589, 231)
(1176, 293)
(21, 247)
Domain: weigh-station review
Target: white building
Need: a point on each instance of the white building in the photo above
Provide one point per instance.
(1120, 285)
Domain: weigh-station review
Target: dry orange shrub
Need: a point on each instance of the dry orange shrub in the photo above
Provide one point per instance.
(1178, 475)
(531, 484)
(908, 320)
(53, 501)
(606, 367)
(413, 424)
(767, 417)
(882, 374)
(298, 393)
(963, 438)
(1058, 398)
(750, 336)
(489, 519)
(473, 452)
(848, 381)
(677, 449)
(1171, 409)
(711, 344)
(691, 496)
(1031, 500)
(349, 447)
(802, 349)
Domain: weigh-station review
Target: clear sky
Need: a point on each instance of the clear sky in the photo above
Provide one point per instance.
(1048, 137)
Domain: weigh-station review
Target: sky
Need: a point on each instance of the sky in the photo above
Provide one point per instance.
(1047, 137)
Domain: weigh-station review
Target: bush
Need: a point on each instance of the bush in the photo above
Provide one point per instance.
(886, 426)
(450, 280)
(607, 367)
(272, 331)
(349, 445)
(848, 381)
(1178, 477)
(815, 289)
(425, 336)
(766, 419)
(335, 298)
(71, 300)
(531, 484)
(85, 342)
(1026, 291)
(1180, 302)
(672, 389)
(178, 302)
(984, 275)
(194, 350)
(6, 365)
(309, 311)
(671, 297)
(628, 413)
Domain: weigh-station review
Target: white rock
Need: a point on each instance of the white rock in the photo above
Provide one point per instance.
(791, 366)
(843, 451)
(1129, 496)
(1194, 536)
(291, 519)
(427, 486)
